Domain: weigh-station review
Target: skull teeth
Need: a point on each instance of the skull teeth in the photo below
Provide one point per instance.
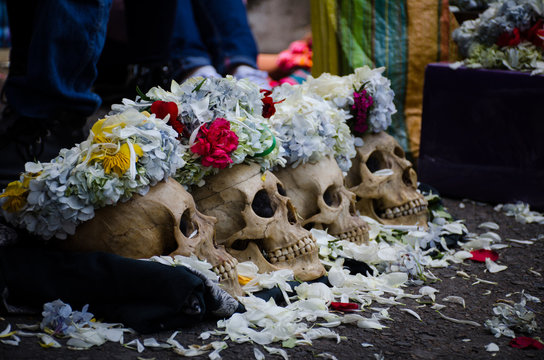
(411, 207)
(302, 247)
(226, 270)
(356, 235)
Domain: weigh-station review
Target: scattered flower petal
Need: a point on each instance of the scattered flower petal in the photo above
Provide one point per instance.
(275, 351)
(458, 321)
(341, 306)
(455, 299)
(428, 291)
(524, 342)
(411, 312)
(489, 225)
(492, 347)
(482, 254)
(493, 267)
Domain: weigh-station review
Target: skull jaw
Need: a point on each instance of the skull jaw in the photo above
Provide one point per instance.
(368, 207)
(305, 267)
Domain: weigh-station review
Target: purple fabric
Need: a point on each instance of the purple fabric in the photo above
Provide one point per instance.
(482, 134)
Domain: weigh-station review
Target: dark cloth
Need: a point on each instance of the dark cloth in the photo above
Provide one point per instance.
(143, 295)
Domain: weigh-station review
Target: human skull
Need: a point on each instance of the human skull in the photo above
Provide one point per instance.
(318, 193)
(163, 222)
(257, 222)
(386, 183)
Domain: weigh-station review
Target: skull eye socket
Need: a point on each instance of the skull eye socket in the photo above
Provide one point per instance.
(332, 197)
(186, 226)
(399, 152)
(261, 204)
(281, 190)
(376, 161)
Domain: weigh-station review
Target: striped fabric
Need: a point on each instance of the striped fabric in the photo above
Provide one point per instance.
(402, 35)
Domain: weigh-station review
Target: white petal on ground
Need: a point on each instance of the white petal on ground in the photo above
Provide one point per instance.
(491, 235)
(48, 341)
(411, 312)
(327, 356)
(438, 306)
(492, 347)
(489, 225)
(493, 267)
(365, 345)
(525, 242)
(455, 299)
(258, 354)
(459, 321)
(275, 351)
(428, 291)
(135, 345)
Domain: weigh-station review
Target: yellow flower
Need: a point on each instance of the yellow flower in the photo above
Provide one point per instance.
(115, 159)
(100, 131)
(16, 193)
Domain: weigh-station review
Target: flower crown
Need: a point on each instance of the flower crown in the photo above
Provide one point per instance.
(366, 95)
(311, 128)
(220, 121)
(124, 154)
(509, 34)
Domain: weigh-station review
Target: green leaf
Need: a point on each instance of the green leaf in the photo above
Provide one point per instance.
(199, 85)
(142, 95)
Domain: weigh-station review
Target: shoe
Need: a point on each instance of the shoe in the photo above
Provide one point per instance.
(254, 75)
(24, 139)
(206, 71)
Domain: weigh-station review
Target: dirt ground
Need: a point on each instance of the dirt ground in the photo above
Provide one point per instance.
(406, 337)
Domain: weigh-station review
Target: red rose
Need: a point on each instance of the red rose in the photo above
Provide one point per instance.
(217, 158)
(509, 39)
(220, 136)
(215, 143)
(269, 107)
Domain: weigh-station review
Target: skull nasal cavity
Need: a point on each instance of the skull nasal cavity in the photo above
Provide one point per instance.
(186, 226)
(376, 161)
(331, 197)
(407, 177)
(261, 205)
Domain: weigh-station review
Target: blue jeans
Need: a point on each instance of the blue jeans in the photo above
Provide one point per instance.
(54, 64)
(213, 32)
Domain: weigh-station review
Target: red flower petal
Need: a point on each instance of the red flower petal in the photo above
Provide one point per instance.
(163, 108)
(482, 254)
(341, 306)
(524, 342)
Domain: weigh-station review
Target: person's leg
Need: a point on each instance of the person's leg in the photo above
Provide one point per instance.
(225, 30)
(56, 47)
(66, 42)
(224, 26)
(188, 48)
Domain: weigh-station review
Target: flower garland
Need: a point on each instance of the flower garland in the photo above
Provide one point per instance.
(310, 127)
(124, 154)
(509, 34)
(219, 120)
(366, 95)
